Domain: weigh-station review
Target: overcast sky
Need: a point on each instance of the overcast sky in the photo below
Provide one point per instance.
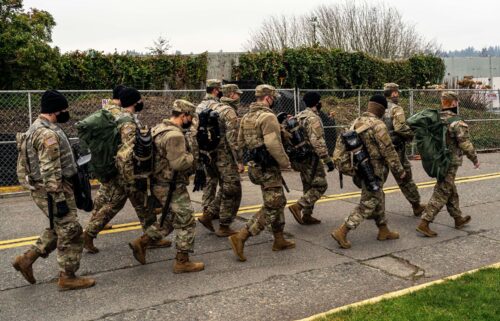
(197, 26)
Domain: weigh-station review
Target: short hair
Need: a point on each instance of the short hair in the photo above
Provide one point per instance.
(389, 91)
(210, 89)
(176, 113)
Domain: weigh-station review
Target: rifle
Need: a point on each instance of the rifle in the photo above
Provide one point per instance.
(50, 204)
(285, 185)
(166, 207)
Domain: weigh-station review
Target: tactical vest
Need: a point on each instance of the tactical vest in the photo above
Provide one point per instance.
(68, 165)
(388, 118)
(252, 134)
(368, 136)
(303, 118)
(162, 170)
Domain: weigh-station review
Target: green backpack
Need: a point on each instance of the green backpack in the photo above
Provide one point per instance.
(99, 134)
(430, 136)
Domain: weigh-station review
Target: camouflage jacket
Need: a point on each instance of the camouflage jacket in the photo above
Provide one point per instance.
(313, 126)
(171, 153)
(207, 102)
(260, 127)
(228, 123)
(124, 156)
(395, 120)
(49, 158)
(458, 139)
(379, 146)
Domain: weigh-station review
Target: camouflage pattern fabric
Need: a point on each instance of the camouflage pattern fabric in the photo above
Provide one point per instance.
(274, 200)
(445, 191)
(313, 187)
(383, 157)
(50, 146)
(181, 215)
(173, 155)
(407, 185)
(312, 124)
(371, 206)
(223, 170)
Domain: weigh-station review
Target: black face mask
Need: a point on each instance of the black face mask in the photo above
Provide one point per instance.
(219, 95)
(395, 100)
(318, 106)
(139, 107)
(273, 105)
(63, 117)
(187, 125)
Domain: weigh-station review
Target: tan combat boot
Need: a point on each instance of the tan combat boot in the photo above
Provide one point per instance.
(238, 243)
(68, 281)
(88, 243)
(309, 220)
(163, 243)
(225, 231)
(385, 234)
(183, 265)
(206, 220)
(280, 243)
(423, 228)
(296, 210)
(24, 264)
(340, 235)
(139, 246)
(461, 221)
(107, 227)
(418, 209)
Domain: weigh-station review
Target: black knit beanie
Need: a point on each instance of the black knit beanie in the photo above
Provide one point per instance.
(377, 105)
(129, 96)
(311, 99)
(117, 90)
(53, 101)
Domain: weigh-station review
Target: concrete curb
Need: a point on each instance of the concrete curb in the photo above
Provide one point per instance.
(398, 293)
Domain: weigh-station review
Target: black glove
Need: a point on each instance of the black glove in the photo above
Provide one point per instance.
(200, 179)
(62, 209)
(330, 166)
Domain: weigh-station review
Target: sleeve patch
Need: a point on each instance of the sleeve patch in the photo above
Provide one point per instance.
(50, 141)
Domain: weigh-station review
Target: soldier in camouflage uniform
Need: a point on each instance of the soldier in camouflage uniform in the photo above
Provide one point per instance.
(47, 164)
(383, 157)
(312, 172)
(173, 160)
(401, 134)
(225, 166)
(260, 128)
(445, 191)
(212, 98)
(113, 194)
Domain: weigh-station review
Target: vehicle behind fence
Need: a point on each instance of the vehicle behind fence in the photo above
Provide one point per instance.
(479, 108)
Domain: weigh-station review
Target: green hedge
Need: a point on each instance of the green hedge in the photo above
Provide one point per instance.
(323, 68)
(95, 70)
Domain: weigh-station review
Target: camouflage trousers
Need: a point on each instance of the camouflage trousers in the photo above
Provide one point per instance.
(66, 235)
(111, 198)
(181, 214)
(272, 211)
(407, 185)
(226, 202)
(445, 193)
(371, 206)
(313, 187)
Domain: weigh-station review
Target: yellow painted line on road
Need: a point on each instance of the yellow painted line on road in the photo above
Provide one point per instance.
(118, 228)
(396, 294)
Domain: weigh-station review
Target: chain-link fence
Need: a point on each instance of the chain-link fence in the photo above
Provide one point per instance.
(18, 109)
(479, 108)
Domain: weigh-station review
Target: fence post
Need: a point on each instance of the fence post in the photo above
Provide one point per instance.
(411, 114)
(359, 103)
(29, 108)
(296, 100)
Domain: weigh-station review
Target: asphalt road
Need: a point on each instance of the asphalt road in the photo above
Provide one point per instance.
(314, 277)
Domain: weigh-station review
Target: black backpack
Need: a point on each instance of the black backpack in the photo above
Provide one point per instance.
(208, 135)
